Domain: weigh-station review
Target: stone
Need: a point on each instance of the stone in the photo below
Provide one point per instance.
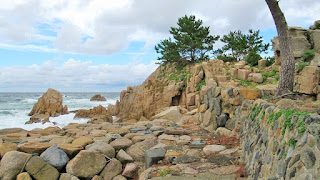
(286, 104)
(172, 114)
(262, 63)
(97, 178)
(243, 74)
(55, 156)
(112, 169)
(121, 143)
(234, 72)
(39, 169)
(130, 170)
(223, 131)
(152, 156)
(119, 177)
(222, 120)
(102, 147)
(212, 149)
(225, 170)
(250, 93)
(66, 176)
(123, 157)
(82, 141)
(7, 147)
(207, 118)
(239, 65)
(98, 113)
(257, 78)
(137, 151)
(314, 129)
(191, 99)
(308, 158)
(49, 103)
(34, 147)
(185, 159)
(37, 118)
(12, 163)
(86, 164)
(221, 160)
(98, 97)
(24, 176)
(70, 149)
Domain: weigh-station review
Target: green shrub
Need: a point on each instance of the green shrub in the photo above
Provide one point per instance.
(252, 58)
(317, 25)
(308, 55)
(225, 58)
(292, 142)
(301, 126)
(301, 65)
(228, 73)
(270, 60)
(202, 83)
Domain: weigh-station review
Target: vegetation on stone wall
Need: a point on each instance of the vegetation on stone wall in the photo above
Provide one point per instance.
(308, 55)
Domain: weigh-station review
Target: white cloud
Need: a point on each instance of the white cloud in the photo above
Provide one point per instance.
(112, 24)
(73, 75)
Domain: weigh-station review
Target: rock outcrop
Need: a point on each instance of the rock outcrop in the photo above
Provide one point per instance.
(48, 105)
(98, 97)
(97, 114)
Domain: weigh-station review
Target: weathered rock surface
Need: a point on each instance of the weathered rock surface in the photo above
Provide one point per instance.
(41, 170)
(171, 114)
(34, 147)
(24, 176)
(98, 97)
(102, 147)
(99, 114)
(86, 164)
(7, 147)
(112, 169)
(55, 157)
(49, 103)
(12, 163)
(66, 176)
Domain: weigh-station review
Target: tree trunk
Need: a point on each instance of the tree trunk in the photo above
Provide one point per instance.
(286, 80)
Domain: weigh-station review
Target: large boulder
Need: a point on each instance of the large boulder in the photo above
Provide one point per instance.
(49, 103)
(39, 169)
(12, 163)
(171, 114)
(7, 147)
(55, 157)
(98, 97)
(112, 169)
(102, 147)
(86, 164)
(34, 147)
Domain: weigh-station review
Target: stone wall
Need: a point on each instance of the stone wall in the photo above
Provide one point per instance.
(278, 140)
(280, 144)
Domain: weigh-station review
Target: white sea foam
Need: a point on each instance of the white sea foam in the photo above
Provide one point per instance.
(14, 109)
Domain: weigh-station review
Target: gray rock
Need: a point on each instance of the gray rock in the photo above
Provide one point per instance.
(41, 170)
(185, 159)
(112, 169)
(103, 148)
(303, 140)
(12, 163)
(231, 124)
(314, 129)
(123, 157)
(152, 156)
(222, 120)
(305, 176)
(282, 168)
(217, 106)
(308, 158)
(318, 144)
(293, 160)
(66, 176)
(221, 160)
(292, 173)
(55, 156)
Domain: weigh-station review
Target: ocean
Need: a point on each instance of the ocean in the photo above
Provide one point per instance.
(14, 108)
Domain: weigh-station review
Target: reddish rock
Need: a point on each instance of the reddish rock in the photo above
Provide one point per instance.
(130, 171)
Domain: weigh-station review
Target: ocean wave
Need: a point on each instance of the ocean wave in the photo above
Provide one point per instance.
(6, 113)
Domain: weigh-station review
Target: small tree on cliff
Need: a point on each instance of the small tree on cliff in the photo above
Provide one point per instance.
(191, 41)
(287, 58)
(238, 45)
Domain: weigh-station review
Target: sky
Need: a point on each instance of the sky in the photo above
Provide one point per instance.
(106, 45)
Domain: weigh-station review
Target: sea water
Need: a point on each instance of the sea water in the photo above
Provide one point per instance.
(14, 108)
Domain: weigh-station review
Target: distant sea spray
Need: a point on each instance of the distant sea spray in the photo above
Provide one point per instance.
(14, 108)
